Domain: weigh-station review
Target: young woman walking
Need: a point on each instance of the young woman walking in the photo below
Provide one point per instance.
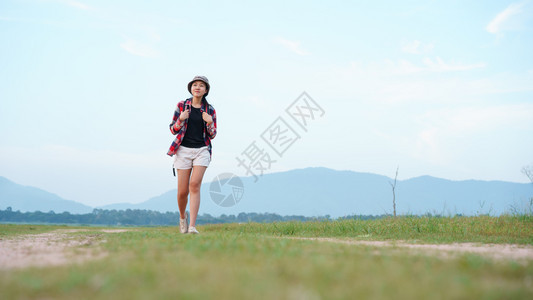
(195, 125)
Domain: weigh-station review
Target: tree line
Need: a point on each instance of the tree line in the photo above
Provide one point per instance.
(142, 217)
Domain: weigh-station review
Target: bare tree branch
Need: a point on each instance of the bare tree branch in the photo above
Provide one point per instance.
(528, 171)
(393, 185)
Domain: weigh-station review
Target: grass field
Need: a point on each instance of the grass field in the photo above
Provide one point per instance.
(262, 261)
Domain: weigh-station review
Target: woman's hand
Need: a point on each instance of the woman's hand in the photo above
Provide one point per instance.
(207, 118)
(184, 115)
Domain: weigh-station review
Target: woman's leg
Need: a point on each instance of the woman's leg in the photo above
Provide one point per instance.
(183, 190)
(194, 188)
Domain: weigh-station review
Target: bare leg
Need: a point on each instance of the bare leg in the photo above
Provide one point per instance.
(183, 190)
(194, 188)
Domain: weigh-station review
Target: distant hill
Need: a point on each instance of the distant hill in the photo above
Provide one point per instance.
(312, 192)
(163, 203)
(322, 191)
(27, 198)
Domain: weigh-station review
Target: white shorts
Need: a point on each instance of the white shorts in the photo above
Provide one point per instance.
(186, 157)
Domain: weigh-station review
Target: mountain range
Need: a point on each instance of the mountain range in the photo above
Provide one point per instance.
(311, 192)
(27, 198)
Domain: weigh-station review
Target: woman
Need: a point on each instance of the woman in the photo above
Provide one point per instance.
(195, 125)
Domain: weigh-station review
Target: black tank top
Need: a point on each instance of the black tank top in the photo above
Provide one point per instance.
(194, 136)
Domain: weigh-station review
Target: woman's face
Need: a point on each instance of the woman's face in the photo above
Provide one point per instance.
(198, 89)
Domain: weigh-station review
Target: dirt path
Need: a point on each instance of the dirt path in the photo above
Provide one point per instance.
(60, 248)
(50, 249)
(494, 251)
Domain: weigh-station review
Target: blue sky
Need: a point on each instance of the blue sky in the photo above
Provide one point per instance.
(88, 88)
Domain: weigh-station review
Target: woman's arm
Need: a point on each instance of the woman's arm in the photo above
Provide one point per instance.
(212, 127)
(177, 124)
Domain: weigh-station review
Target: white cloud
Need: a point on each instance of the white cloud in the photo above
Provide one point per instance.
(440, 66)
(76, 4)
(401, 67)
(497, 24)
(293, 46)
(405, 81)
(417, 47)
(442, 130)
(427, 146)
(72, 3)
(475, 119)
(405, 67)
(139, 49)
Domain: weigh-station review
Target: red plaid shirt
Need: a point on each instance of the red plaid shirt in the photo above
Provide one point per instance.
(178, 127)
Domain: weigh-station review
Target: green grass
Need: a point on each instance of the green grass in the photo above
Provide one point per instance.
(482, 229)
(255, 261)
(7, 230)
